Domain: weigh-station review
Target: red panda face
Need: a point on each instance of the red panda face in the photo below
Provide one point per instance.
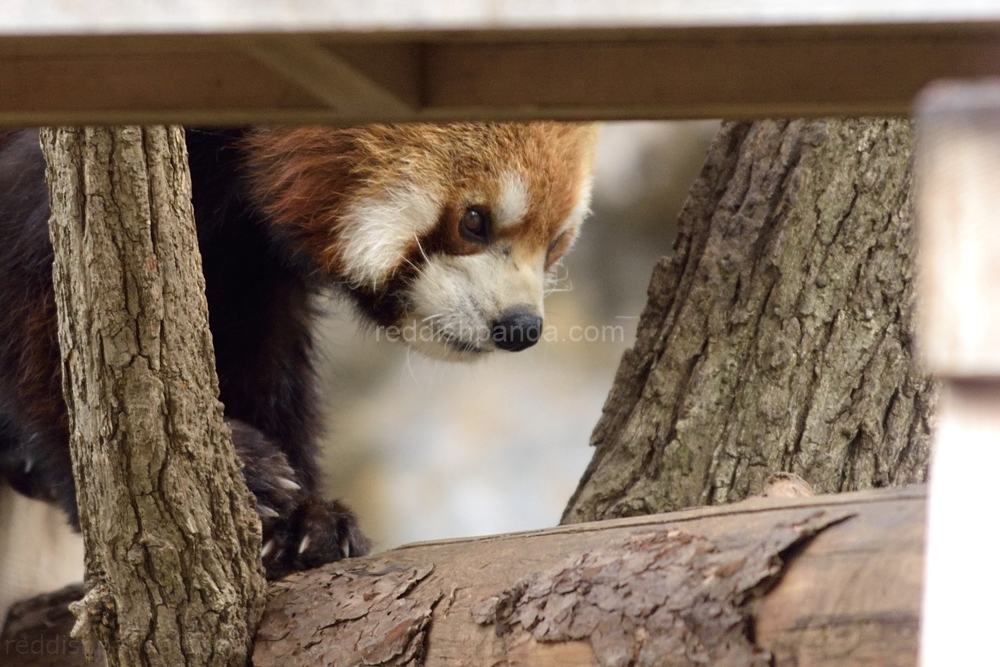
(445, 231)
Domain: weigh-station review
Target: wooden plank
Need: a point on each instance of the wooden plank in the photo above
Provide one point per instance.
(219, 16)
(349, 78)
(781, 74)
(104, 90)
(958, 144)
(329, 77)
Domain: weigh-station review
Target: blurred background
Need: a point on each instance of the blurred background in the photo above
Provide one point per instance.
(425, 450)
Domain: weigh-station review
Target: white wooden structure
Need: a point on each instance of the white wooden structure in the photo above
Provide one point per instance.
(959, 207)
(351, 61)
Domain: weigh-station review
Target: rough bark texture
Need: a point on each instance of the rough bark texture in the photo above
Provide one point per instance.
(684, 592)
(779, 334)
(691, 588)
(172, 544)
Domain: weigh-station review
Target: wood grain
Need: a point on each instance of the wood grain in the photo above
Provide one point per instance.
(330, 78)
(347, 77)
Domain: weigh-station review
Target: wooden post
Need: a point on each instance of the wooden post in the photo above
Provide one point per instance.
(958, 148)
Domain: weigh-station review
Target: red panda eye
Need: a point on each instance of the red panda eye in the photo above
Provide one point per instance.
(475, 225)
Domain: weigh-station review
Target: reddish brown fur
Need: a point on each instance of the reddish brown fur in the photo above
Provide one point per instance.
(264, 256)
(305, 177)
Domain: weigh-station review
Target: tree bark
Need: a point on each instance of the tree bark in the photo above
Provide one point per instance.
(778, 337)
(172, 543)
(741, 585)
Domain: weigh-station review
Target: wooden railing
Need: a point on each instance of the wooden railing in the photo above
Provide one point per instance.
(218, 61)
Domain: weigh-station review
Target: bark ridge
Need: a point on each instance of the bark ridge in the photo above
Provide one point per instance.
(779, 336)
(659, 599)
(172, 542)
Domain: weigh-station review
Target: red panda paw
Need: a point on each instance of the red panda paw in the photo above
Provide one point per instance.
(318, 532)
(268, 475)
(300, 529)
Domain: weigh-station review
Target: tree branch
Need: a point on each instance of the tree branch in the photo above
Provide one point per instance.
(733, 585)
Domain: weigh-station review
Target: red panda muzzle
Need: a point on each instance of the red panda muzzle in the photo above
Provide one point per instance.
(517, 330)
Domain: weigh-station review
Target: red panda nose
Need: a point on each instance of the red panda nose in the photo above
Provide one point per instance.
(517, 330)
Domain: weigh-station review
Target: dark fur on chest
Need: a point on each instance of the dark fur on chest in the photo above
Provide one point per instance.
(259, 295)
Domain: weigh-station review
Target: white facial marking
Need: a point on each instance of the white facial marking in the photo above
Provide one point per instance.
(459, 298)
(378, 230)
(513, 202)
(454, 300)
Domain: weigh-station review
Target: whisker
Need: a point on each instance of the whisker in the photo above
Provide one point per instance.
(407, 260)
(421, 248)
(557, 280)
(409, 367)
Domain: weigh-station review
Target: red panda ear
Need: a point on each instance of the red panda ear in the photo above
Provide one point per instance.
(559, 247)
(301, 177)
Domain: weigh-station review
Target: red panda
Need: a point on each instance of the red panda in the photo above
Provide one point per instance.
(447, 228)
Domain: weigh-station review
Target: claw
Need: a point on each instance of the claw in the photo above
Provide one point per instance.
(266, 551)
(304, 544)
(267, 512)
(345, 548)
(288, 484)
(28, 465)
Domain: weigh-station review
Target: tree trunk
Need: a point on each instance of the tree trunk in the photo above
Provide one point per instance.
(779, 335)
(172, 543)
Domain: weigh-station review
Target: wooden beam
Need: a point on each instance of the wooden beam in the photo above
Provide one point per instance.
(848, 597)
(131, 80)
(348, 78)
(348, 90)
(775, 73)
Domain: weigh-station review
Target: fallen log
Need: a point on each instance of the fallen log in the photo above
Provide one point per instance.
(831, 580)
